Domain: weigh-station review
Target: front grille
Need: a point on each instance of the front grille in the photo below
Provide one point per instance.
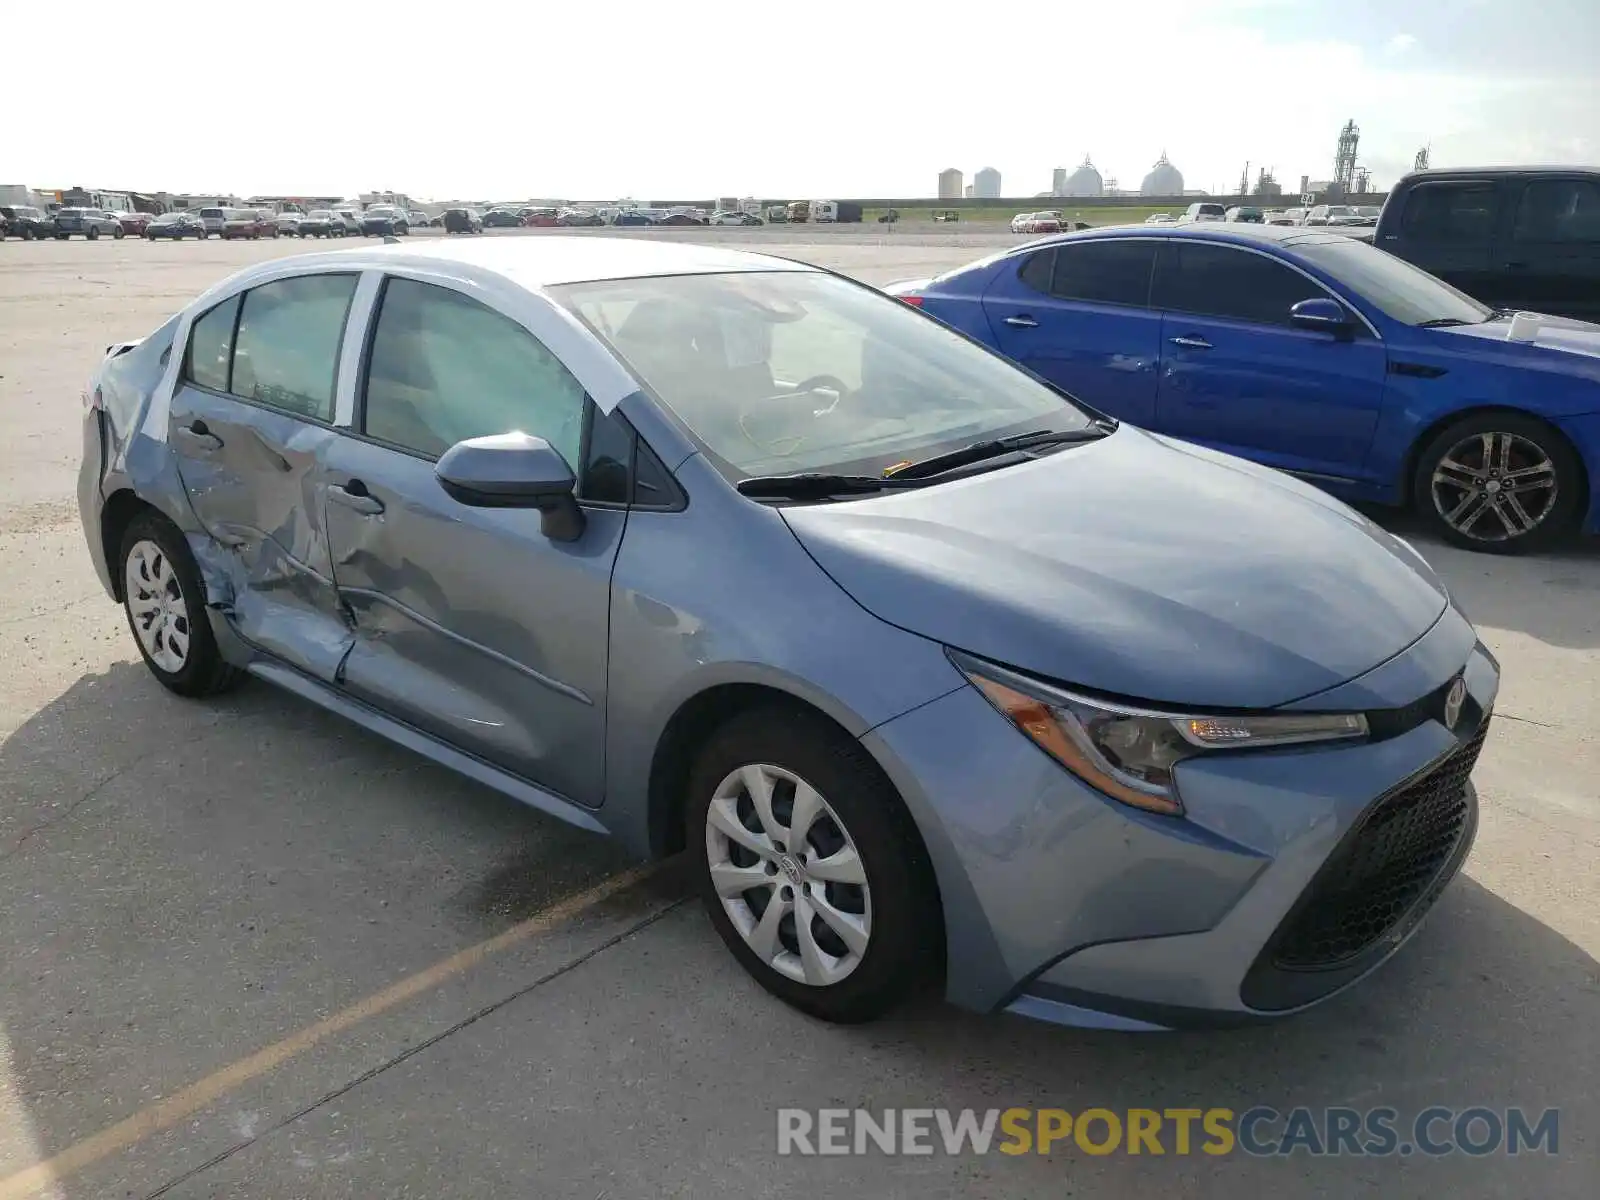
(1382, 867)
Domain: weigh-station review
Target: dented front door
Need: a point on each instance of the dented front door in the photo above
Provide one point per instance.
(255, 480)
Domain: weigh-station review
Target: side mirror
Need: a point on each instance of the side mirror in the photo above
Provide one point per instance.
(514, 470)
(1321, 315)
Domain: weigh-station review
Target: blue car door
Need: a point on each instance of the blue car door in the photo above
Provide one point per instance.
(1076, 314)
(1236, 375)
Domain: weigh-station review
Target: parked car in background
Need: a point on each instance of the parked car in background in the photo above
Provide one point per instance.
(288, 223)
(134, 223)
(1514, 238)
(1160, 219)
(630, 217)
(321, 223)
(381, 219)
(1043, 223)
(538, 218)
(501, 218)
(214, 219)
(1152, 765)
(1019, 223)
(248, 223)
(680, 219)
(1315, 353)
(1369, 210)
(721, 217)
(1337, 215)
(578, 218)
(90, 223)
(1278, 216)
(888, 216)
(177, 226)
(26, 222)
(1244, 213)
(462, 220)
(350, 219)
(1202, 210)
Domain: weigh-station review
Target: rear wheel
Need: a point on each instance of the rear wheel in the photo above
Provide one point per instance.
(165, 603)
(1499, 482)
(810, 866)
(93, 234)
(118, 233)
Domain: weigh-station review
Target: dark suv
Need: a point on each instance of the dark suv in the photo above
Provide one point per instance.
(25, 222)
(1513, 237)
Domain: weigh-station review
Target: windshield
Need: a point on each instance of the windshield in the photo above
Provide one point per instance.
(785, 371)
(211, 212)
(380, 210)
(1394, 286)
(1339, 210)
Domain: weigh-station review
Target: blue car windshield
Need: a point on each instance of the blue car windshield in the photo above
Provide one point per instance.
(785, 371)
(1396, 288)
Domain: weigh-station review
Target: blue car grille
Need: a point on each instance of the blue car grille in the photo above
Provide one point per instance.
(1376, 876)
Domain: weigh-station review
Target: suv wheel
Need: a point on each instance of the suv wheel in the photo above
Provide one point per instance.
(118, 233)
(1498, 482)
(164, 600)
(810, 866)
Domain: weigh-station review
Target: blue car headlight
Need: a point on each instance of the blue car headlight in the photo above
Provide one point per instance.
(1129, 753)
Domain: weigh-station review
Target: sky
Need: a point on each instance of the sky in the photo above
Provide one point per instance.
(687, 100)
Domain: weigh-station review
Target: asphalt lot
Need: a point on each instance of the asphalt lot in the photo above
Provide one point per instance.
(243, 943)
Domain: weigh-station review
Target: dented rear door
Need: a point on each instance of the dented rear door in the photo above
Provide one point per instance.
(250, 426)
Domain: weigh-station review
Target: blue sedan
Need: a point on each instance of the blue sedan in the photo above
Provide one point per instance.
(1311, 352)
(925, 666)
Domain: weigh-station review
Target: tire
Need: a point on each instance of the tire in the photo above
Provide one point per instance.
(897, 908)
(91, 234)
(1495, 452)
(154, 551)
(119, 233)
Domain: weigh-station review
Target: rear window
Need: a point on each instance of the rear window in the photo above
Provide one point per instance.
(1450, 212)
(211, 212)
(1559, 210)
(1114, 271)
(1209, 210)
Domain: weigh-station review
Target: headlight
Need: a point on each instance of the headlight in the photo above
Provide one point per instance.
(1129, 753)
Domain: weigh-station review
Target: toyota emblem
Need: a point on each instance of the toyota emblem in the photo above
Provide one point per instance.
(1453, 700)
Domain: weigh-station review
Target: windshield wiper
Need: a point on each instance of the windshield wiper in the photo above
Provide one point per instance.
(937, 464)
(1442, 323)
(812, 485)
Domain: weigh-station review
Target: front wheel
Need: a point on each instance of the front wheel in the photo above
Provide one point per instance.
(1503, 483)
(165, 603)
(118, 233)
(93, 235)
(810, 867)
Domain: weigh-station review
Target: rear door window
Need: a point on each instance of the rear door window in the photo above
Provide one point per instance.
(1212, 280)
(286, 353)
(1113, 271)
(1559, 210)
(1451, 213)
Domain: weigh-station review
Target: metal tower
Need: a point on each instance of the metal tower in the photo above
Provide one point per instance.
(1421, 162)
(1344, 162)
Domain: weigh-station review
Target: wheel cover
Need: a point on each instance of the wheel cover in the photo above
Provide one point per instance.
(1495, 487)
(157, 607)
(788, 875)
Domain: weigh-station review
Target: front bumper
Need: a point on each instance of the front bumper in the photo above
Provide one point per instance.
(1065, 906)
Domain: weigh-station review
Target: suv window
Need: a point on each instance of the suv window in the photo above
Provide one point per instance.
(1559, 210)
(211, 347)
(1219, 281)
(1037, 269)
(1450, 212)
(444, 367)
(1113, 271)
(286, 353)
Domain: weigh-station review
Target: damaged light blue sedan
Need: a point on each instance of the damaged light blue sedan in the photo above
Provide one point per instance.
(934, 671)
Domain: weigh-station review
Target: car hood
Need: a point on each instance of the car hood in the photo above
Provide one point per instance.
(1534, 329)
(1139, 567)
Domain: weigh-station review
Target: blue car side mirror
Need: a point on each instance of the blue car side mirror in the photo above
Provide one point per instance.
(1322, 315)
(514, 470)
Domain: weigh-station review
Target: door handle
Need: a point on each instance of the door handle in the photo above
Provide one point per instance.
(199, 435)
(1022, 321)
(354, 496)
(1191, 343)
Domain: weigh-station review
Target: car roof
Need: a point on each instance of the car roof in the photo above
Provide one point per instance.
(1213, 232)
(530, 263)
(1481, 172)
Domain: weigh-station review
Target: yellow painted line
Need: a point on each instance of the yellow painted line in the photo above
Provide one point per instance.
(181, 1105)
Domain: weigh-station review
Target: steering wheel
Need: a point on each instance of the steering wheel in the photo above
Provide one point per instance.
(832, 382)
